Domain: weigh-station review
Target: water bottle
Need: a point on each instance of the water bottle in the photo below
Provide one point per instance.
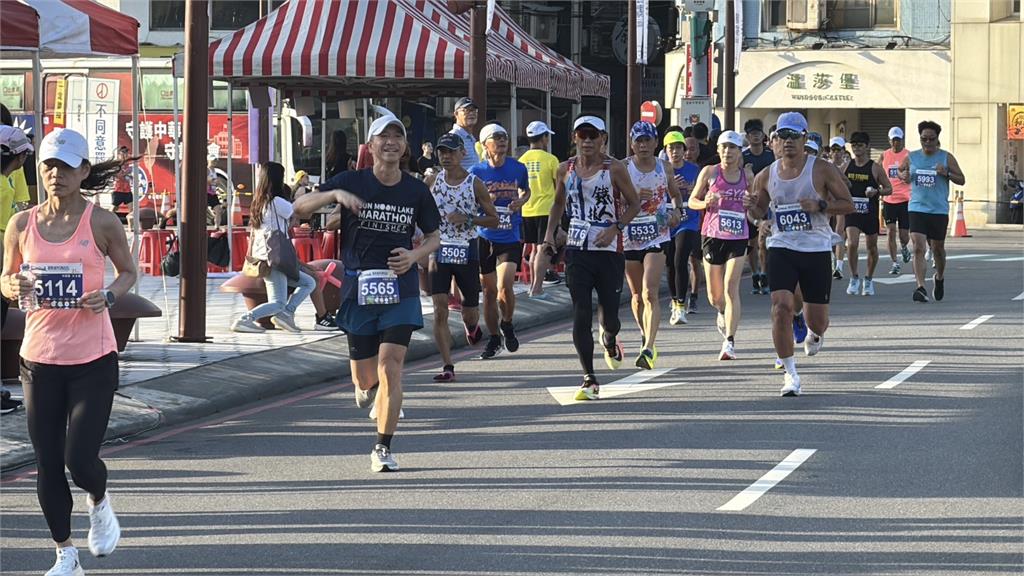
(28, 301)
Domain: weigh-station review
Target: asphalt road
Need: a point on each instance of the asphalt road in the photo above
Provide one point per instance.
(680, 474)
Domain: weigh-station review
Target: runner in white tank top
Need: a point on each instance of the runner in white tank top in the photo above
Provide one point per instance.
(647, 236)
(801, 193)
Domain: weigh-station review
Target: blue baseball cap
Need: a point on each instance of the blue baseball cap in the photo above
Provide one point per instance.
(643, 130)
(791, 121)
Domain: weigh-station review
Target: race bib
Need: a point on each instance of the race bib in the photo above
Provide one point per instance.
(378, 287)
(894, 172)
(59, 286)
(792, 218)
(860, 205)
(453, 253)
(925, 178)
(504, 217)
(731, 222)
(642, 230)
(578, 232)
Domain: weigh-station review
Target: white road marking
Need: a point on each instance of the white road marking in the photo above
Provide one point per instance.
(1020, 296)
(1013, 259)
(768, 481)
(977, 322)
(637, 382)
(964, 256)
(907, 373)
(904, 279)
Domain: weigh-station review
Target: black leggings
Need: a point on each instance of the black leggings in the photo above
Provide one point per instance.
(68, 410)
(682, 246)
(586, 271)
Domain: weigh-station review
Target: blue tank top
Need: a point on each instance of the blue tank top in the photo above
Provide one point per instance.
(929, 192)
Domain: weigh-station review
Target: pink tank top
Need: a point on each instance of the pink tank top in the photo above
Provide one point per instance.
(727, 221)
(67, 335)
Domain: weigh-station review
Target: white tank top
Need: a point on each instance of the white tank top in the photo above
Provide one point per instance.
(451, 199)
(793, 228)
(653, 214)
(592, 206)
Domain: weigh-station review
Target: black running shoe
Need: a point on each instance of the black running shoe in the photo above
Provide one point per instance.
(492, 349)
(920, 295)
(509, 332)
(551, 278)
(8, 404)
(939, 291)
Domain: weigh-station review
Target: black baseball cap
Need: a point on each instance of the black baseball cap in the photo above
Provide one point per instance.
(449, 141)
(465, 102)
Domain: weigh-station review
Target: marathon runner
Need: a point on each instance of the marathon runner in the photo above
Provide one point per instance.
(800, 192)
(380, 305)
(592, 189)
(646, 239)
(757, 157)
(466, 114)
(894, 209)
(686, 234)
(929, 172)
(501, 248)
(460, 197)
(837, 155)
(720, 192)
(696, 257)
(867, 182)
(542, 166)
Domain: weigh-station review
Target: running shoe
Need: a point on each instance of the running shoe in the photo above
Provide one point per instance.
(589, 390)
(678, 313)
(509, 332)
(646, 359)
(382, 460)
(896, 269)
(551, 278)
(326, 323)
(285, 321)
(475, 336)
(765, 288)
(791, 385)
(247, 326)
(104, 529)
(868, 288)
(906, 253)
(799, 329)
(778, 364)
(67, 563)
(920, 295)
(728, 351)
(837, 274)
(8, 404)
(613, 354)
(447, 374)
(492, 349)
(813, 344)
(365, 397)
(854, 288)
(543, 297)
(692, 306)
(756, 278)
(939, 289)
(720, 322)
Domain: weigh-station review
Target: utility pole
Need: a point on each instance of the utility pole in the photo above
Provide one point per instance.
(633, 92)
(192, 211)
(478, 60)
(729, 65)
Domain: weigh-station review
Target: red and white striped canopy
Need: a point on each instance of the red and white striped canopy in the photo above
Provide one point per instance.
(83, 28)
(317, 43)
(20, 29)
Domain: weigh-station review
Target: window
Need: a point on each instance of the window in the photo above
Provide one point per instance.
(860, 14)
(1016, 6)
(166, 15)
(158, 94)
(224, 14)
(773, 14)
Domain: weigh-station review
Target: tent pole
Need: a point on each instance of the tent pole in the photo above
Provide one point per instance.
(176, 141)
(323, 139)
(37, 132)
(231, 182)
(547, 107)
(135, 173)
(514, 120)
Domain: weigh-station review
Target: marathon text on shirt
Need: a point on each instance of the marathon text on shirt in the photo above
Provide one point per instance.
(383, 217)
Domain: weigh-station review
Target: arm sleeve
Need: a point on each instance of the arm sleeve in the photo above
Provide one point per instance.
(284, 208)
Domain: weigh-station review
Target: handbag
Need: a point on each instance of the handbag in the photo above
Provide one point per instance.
(170, 265)
(254, 267)
(280, 252)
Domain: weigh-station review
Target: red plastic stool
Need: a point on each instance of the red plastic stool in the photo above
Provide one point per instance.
(152, 250)
(239, 248)
(328, 243)
(307, 249)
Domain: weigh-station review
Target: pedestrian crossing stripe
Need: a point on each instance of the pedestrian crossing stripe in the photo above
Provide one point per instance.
(637, 382)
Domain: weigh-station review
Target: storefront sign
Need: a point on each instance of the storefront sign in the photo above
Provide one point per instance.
(695, 109)
(823, 86)
(1015, 122)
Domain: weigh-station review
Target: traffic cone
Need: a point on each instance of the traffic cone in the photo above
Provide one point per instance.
(961, 224)
(236, 212)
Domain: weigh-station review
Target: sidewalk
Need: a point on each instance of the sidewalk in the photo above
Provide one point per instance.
(165, 383)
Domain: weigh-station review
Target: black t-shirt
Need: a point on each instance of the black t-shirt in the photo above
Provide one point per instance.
(759, 162)
(422, 163)
(387, 221)
(707, 155)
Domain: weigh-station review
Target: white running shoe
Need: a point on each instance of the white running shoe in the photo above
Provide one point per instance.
(868, 288)
(678, 314)
(896, 269)
(728, 351)
(854, 288)
(67, 563)
(720, 322)
(104, 529)
(381, 459)
(791, 385)
(285, 321)
(247, 326)
(813, 343)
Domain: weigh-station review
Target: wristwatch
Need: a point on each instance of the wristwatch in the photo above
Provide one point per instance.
(108, 298)
(620, 226)
(822, 205)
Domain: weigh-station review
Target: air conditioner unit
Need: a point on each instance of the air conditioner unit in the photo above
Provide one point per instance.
(544, 28)
(805, 14)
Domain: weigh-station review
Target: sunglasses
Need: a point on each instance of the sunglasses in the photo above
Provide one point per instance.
(587, 134)
(787, 134)
(499, 137)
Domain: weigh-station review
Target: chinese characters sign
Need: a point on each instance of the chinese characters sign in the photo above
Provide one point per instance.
(1015, 122)
(823, 86)
(91, 109)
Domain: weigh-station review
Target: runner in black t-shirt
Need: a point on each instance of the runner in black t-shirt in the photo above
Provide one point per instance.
(758, 157)
(380, 305)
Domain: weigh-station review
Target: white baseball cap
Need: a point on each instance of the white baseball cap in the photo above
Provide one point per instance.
(491, 130)
(895, 132)
(837, 141)
(14, 140)
(65, 145)
(812, 145)
(377, 126)
(537, 128)
(592, 121)
(791, 121)
(731, 137)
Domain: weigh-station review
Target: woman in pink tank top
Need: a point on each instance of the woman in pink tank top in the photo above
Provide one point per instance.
(720, 191)
(54, 262)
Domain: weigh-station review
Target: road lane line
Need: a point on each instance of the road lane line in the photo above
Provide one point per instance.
(907, 373)
(1013, 259)
(977, 322)
(963, 256)
(1020, 296)
(768, 481)
(636, 382)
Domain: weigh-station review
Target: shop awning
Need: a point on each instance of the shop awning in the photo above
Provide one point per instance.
(20, 30)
